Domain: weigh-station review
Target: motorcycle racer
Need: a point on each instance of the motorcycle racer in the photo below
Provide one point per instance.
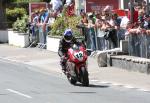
(65, 43)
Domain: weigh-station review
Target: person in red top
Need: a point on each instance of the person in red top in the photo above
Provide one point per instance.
(70, 7)
(135, 16)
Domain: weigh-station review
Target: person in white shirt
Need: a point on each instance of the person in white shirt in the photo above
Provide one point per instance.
(68, 2)
(56, 4)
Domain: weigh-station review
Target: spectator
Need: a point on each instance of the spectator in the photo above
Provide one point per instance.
(84, 19)
(141, 17)
(42, 30)
(56, 6)
(124, 22)
(36, 29)
(100, 33)
(107, 13)
(68, 2)
(63, 2)
(70, 7)
(98, 21)
(51, 20)
(135, 15)
(83, 23)
(147, 22)
(91, 26)
(117, 21)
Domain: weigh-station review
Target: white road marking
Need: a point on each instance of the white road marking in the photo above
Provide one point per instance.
(117, 84)
(145, 90)
(19, 93)
(9, 60)
(94, 80)
(104, 82)
(128, 86)
(121, 85)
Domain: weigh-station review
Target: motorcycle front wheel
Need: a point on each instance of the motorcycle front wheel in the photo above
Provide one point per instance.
(84, 77)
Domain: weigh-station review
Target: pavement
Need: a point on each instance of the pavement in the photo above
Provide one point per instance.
(44, 60)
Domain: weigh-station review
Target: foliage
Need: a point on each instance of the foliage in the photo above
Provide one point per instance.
(30, 1)
(58, 27)
(72, 22)
(25, 1)
(63, 22)
(13, 14)
(21, 24)
(46, 0)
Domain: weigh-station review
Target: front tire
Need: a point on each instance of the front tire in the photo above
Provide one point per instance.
(84, 77)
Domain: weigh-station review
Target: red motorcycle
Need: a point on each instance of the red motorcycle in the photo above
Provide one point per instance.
(76, 65)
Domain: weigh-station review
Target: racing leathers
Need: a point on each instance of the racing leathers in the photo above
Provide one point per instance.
(63, 49)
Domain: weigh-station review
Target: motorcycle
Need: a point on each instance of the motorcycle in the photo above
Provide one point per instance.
(76, 66)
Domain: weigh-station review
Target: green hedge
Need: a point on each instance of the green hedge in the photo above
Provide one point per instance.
(13, 14)
(63, 22)
(21, 24)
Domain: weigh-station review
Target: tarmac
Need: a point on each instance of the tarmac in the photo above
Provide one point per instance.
(49, 62)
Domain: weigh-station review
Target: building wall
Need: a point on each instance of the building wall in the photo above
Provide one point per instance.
(92, 5)
(97, 5)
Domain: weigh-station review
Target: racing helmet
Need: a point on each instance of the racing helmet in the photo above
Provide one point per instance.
(68, 35)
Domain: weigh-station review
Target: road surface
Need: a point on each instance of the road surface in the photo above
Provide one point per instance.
(20, 83)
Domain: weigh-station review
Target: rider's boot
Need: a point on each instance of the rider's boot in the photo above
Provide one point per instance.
(63, 69)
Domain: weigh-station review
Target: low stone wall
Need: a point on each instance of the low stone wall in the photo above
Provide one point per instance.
(131, 63)
(53, 43)
(3, 36)
(18, 39)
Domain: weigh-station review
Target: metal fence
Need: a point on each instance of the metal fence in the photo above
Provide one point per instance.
(96, 39)
(37, 36)
(139, 45)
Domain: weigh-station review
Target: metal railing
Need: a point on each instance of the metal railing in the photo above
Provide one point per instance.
(95, 39)
(139, 45)
(37, 37)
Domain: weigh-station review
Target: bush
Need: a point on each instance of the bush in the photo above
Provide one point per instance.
(21, 24)
(72, 22)
(63, 22)
(13, 14)
(58, 27)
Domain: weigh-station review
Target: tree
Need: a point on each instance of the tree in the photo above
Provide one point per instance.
(2, 14)
(31, 0)
(46, 1)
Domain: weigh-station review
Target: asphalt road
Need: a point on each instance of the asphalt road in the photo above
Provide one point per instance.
(20, 83)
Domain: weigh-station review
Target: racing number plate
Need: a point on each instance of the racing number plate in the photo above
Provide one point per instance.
(79, 55)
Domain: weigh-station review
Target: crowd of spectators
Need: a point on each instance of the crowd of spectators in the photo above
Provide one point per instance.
(102, 29)
(42, 19)
(106, 28)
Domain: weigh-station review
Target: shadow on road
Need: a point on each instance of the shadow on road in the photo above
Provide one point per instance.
(93, 86)
(90, 86)
(83, 92)
(98, 86)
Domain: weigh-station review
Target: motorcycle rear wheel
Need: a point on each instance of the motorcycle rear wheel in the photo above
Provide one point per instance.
(73, 81)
